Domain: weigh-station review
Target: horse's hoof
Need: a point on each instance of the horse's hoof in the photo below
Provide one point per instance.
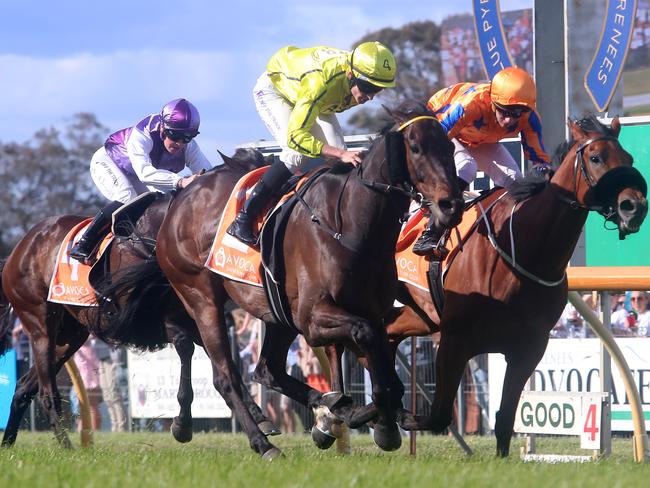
(181, 433)
(387, 437)
(268, 428)
(272, 454)
(323, 440)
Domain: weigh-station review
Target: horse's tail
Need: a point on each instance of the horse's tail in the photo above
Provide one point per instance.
(132, 305)
(6, 316)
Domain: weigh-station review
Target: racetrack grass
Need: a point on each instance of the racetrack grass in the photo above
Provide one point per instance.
(156, 460)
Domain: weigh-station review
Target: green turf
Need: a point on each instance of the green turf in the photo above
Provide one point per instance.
(155, 460)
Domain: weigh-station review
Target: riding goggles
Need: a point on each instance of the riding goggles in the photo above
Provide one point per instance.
(179, 135)
(366, 87)
(513, 112)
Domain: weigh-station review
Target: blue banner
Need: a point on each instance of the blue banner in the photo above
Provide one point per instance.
(491, 38)
(7, 384)
(606, 68)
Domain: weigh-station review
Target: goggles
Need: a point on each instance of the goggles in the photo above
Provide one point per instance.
(511, 111)
(367, 87)
(179, 135)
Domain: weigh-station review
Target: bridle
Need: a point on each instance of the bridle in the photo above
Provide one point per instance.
(598, 188)
(402, 184)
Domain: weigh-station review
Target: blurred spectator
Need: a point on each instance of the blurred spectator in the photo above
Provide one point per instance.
(88, 365)
(311, 368)
(623, 322)
(20, 343)
(109, 382)
(639, 303)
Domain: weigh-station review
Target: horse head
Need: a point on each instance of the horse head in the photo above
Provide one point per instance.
(602, 177)
(424, 156)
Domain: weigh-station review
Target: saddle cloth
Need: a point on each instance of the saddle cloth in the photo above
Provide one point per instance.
(412, 268)
(69, 284)
(230, 257)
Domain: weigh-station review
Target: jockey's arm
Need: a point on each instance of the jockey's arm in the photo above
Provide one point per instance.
(532, 141)
(195, 160)
(138, 148)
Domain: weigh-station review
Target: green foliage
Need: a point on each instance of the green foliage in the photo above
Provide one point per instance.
(417, 49)
(156, 460)
(47, 176)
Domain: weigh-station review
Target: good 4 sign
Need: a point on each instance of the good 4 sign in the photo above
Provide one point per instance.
(562, 413)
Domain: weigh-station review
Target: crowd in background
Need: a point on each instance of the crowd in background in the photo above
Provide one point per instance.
(630, 316)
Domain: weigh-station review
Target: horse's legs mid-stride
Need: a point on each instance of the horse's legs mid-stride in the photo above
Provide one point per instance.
(208, 311)
(331, 324)
(520, 365)
(182, 424)
(41, 378)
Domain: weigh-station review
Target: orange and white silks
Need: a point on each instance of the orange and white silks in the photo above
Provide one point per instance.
(69, 283)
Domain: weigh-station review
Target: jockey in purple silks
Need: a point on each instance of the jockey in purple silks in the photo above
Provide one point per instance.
(158, 154)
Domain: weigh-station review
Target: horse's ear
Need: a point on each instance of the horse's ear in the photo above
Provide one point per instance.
(577, 133)
(396, 115)
(225, 158)
(616, 126)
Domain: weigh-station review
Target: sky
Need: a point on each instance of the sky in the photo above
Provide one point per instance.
(124, 59)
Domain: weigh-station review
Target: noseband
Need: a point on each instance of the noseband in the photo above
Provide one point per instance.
(604, 188)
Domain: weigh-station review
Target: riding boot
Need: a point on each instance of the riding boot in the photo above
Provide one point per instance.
(83, 249)
(270, 184)
(429, 242)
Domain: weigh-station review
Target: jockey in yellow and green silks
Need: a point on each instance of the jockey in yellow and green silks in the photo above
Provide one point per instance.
(297, 98)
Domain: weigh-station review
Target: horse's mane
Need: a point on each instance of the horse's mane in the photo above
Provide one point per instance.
(589, 123)
(533, 184)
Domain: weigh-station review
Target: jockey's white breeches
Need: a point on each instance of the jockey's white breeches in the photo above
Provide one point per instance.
(111, 181)
(275, 111)
(493, 159)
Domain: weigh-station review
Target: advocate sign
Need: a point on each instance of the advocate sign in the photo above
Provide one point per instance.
(573, 365)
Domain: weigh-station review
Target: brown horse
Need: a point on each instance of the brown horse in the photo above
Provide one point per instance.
(154, 315)
(505, 298)
(339, 290)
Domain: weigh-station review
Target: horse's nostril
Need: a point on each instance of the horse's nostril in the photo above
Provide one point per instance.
(450, 206)
(627, 206)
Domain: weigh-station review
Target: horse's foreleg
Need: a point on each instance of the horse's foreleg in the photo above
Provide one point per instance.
(182, 425)
(521, 365)
(331, 324)
(451, 360)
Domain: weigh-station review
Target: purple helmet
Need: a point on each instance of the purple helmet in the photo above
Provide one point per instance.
(181, 115)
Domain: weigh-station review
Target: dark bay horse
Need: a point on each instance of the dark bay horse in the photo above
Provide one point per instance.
(338, 293)
(153, 318)
(507, 300)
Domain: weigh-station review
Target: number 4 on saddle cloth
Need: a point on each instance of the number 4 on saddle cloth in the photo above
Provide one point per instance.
(235, 260)
(424, 272)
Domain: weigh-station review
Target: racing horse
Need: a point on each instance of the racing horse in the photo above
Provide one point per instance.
(339, 278)
(153, 318)
(507, 287)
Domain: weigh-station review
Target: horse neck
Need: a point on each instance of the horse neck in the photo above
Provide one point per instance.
(555, 219)
(376, 212)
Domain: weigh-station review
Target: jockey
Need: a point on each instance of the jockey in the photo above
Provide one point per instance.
(146, 157)
(476, 116)
(297, 98)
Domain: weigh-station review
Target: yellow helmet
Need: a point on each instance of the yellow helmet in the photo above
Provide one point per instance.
(513, 86)
(373, 62)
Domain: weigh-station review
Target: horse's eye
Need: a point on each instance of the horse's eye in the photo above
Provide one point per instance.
(415, 149)
(595, 158)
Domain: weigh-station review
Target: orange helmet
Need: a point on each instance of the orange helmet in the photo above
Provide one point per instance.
(513, 86)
